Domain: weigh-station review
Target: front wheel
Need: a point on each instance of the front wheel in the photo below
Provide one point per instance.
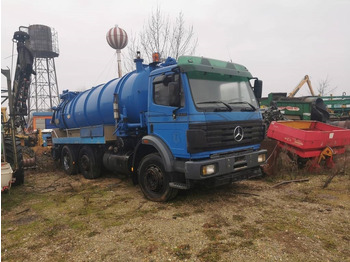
(153, 179)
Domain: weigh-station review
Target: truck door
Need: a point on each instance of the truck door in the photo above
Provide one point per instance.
(167, 116)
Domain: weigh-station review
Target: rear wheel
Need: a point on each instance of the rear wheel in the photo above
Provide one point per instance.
(10, 158)
(68, 160)
(89, 164)
(154, 180)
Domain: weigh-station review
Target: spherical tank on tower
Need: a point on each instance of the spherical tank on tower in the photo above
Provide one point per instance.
(117, 38)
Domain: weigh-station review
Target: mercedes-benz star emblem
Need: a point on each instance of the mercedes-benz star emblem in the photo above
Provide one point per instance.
(238, 133)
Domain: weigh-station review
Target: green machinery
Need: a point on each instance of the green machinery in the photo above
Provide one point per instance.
(301, 107)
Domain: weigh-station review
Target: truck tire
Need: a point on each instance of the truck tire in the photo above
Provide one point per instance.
(89, 165)
(68, 160)
(153, 179)
(19, 173)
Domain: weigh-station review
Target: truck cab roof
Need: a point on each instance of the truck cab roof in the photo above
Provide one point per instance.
(202, 64)
(194, 63)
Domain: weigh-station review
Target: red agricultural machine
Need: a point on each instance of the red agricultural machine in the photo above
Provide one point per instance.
(312, 142)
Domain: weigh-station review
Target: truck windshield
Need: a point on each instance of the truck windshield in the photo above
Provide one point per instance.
(222, 93)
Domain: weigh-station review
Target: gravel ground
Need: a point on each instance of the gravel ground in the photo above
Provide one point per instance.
(55, 217)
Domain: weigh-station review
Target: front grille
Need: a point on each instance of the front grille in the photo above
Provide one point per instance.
(220, 135)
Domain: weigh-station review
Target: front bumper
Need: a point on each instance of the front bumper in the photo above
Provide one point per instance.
(232, 165)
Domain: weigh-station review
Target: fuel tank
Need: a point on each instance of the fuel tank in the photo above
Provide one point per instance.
(95, 106)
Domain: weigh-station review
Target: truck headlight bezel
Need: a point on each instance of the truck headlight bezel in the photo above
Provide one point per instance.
(261, 158)
(208, 170)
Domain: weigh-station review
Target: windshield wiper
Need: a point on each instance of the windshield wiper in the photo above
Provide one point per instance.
(216, 102)
(244, 102)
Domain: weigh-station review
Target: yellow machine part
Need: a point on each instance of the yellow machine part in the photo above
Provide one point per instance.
(327, 152)
(4, 116)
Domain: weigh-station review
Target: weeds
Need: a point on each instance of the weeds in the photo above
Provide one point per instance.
(182, 252)
(212, 234)
(214, 251)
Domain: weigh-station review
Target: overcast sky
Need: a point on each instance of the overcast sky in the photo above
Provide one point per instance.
(278, 41)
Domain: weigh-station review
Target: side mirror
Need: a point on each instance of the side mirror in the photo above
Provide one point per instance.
(258, 88)
(174, 94)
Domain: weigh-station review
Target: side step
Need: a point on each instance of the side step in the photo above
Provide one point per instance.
(178, 185)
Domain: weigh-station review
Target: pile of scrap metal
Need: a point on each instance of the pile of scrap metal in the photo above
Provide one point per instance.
(297, 108)
(272, 113)
(301, 108)
(333, 110)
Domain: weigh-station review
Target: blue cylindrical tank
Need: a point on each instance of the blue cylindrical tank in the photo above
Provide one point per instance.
(95, 106)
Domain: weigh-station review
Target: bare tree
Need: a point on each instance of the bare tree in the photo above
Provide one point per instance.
(182, 41)
(324, 87)
(130, 55)
(155, 34)
(160, 34)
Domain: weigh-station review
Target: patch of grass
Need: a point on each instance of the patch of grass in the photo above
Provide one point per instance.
(128, 230)
(162, 207)
(290, 226)
(37, 246)
(275, 221)
(236, 233)
(238, 218)
(346, 237)
(199, 210)
(14, 256)
(210, 225)
(213, 251)
(109, 254)
(248, 243)
(124, 199)
(251, 232)
(78, 225)
(212, 234)
(16, 198)
(19, 236)
(93, 233)
(181, 214)
(216, 221)
(182, 252)
(219, 220)
(329, 244)
(52, 230)
(111, 219)
(51, 204)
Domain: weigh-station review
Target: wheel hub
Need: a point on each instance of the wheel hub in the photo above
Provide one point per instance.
(66, 161)
(85, 163)
(154, 178)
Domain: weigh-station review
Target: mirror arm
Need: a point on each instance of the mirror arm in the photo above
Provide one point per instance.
(174, 112)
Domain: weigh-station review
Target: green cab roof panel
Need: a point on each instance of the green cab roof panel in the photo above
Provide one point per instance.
(195, 63)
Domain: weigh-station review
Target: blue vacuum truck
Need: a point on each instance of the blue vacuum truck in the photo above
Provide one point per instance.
(168, 125)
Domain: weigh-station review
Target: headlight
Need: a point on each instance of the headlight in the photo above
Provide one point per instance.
(261, 158)
(208, 169)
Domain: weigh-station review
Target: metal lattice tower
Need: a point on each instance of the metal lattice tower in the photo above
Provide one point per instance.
(43, 93)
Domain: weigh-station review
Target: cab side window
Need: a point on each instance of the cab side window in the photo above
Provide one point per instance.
(167, 91)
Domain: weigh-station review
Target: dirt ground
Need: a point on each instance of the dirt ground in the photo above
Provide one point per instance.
(55, 217)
